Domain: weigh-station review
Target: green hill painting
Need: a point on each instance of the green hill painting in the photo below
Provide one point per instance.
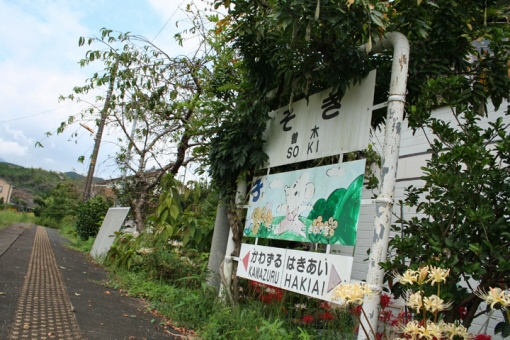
(319, 205)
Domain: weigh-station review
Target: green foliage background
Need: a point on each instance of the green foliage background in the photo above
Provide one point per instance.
(90, 216)
(60, 202)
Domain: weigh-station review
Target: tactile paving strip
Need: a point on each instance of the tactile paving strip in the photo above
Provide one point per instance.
(44, 311)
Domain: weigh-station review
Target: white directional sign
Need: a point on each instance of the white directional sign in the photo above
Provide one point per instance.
(323, 127)
(303, 272)
(262, 264)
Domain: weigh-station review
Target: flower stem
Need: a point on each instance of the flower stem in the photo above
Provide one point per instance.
(424, 318)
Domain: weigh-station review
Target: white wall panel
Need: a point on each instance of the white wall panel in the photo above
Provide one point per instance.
(413, 155)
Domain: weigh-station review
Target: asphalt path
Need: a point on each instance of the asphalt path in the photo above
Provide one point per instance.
(102, 313)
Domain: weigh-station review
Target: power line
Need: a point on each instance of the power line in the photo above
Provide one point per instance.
(166, 23)
(36, 114)
(40, 113)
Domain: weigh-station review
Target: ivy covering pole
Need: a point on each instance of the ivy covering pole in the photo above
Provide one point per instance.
(390, 154)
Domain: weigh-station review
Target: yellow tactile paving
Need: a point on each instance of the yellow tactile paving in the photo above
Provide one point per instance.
(43, 311)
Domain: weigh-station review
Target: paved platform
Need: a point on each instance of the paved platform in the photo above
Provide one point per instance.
(48, 291)
(9, 235)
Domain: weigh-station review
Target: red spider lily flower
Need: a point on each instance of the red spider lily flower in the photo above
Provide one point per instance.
(395, 322)
(356, 310)
(307, 319)
(483, 337)
(325, 305)
(462, 312)
(385, 301)
(326, 316)
(270, 298)
(403, 317)
(266, 299)
(385, 316)
(379, 336)
(271, 294)
(278, 297)
(256, 286)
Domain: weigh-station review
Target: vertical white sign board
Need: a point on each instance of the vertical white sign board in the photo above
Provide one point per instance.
(111, 223)
(322, 126)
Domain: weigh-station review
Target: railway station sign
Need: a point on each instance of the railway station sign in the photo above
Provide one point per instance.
(303, 272)
(322, 127)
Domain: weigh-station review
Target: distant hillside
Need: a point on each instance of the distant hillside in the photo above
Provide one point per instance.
(33, 181)
(36, 182)
(74, 175)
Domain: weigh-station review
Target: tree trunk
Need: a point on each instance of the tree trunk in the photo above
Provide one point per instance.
(234, 219)
(183, 145)
(139, 218)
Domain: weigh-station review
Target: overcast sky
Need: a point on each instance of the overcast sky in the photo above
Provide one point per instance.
(39, 56)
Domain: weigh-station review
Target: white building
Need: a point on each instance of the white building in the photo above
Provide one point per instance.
(5, 190)
(413, 156)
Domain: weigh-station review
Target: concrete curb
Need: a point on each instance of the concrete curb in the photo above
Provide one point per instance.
(10, 234)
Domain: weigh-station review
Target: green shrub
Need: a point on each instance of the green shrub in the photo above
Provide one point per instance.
(189, 308)
(199, 309)
(228, 323)
(60, 202)
(47, 222)
(89, 217)
(159, 261)
(75, 241)
(69, 220)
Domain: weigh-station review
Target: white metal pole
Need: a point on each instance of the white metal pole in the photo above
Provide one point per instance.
(390, 154)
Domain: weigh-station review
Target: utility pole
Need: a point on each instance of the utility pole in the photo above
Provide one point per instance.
(99, 135)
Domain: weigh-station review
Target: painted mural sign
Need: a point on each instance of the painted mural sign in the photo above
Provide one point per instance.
(319, 205)
(322, 126)
(303, 272)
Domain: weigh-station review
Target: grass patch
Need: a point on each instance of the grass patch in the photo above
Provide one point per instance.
(172, 279)
(75, 241)
(9, 217)
(200, 310)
